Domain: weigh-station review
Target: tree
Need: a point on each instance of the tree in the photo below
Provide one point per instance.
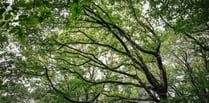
(189, 20)
(12, 88)
(110, 51)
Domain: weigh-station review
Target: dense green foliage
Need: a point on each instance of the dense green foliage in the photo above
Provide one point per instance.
(104, 51)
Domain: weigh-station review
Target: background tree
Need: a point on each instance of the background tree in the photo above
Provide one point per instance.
(189, 20)
(12, 88)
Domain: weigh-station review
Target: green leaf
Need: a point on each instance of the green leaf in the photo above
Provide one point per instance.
(2, 10)
(33, 21)
(3, 38)
(76, 9)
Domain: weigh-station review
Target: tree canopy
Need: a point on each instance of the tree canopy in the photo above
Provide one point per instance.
(104, 51)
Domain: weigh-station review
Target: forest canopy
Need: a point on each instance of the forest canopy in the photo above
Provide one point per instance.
(104, 51)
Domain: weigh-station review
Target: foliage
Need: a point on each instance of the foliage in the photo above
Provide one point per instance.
(114, 51)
